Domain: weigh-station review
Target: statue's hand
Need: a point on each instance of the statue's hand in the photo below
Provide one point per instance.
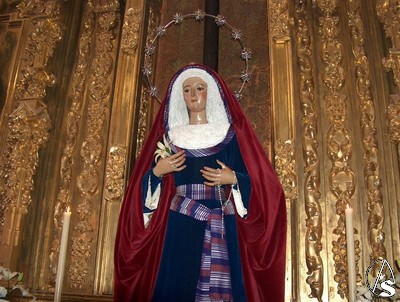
(173, 163)
(220, 176)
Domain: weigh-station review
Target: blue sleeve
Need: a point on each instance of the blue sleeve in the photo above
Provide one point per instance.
(154, 180)
(236, 163)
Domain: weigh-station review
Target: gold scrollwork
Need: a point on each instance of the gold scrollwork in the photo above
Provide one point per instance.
(35, 8)
(392, 62)
(29, 122)
(130, 30)
(142, 127)
(29, 126)
(285, 166)
(394, 120)
(92, 146)
(47, 32)
(279, 20)
(387, 11)
(312, 183)
(372, 178)
(339, 143)
(107, 6)
(72, 126)
(115, 171)
(328, 7)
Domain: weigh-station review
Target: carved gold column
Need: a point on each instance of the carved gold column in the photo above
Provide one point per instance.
(394, 120)
(341, 178)
(93, 147)
(283, 126)
(372, 175)
(28, 122)
(388, 13)
(83, 154)
(72, 126)
(128, 127)
(311, 156)
(73, 119)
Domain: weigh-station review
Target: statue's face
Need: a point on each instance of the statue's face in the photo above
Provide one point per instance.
(195, 94)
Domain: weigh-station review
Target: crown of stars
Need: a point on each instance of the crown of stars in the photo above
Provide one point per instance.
(199, 16)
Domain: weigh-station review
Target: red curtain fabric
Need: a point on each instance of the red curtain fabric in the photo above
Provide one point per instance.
(262, 234)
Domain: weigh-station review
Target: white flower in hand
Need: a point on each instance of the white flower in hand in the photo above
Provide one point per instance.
(163, 150)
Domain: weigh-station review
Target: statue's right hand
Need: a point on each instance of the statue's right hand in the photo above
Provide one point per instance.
(173, 163)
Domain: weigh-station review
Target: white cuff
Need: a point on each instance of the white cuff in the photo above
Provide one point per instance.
(146, 218)
(237, 198)
(152, 200)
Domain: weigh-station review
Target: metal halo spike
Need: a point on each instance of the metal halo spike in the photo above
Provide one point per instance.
(199, 16)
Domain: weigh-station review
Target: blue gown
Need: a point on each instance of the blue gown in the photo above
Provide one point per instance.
(182, 252)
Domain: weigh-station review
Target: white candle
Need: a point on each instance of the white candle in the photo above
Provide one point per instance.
(351, 261)
(62, 255)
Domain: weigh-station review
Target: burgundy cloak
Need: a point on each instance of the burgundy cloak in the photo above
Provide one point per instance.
(261, 235)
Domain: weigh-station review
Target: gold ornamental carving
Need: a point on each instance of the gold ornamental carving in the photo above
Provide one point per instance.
(312, 170)
(28, 123)
(115, 172)
(130, 30)
(387, 11)
(145, 99)
(46, 32)
(106, 6)
(29, 127)
(372, 179)
(394, 120)
(388, 14)
(91, 151)
(328, 7)
(285, 166)
(35, 8)
(339, 143)
(64, 196)
(142, 124)
(392, 62)
(279, 20)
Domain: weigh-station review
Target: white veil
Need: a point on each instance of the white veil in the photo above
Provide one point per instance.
(196, 136)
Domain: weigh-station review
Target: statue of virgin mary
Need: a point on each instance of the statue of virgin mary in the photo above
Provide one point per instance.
(206, 221)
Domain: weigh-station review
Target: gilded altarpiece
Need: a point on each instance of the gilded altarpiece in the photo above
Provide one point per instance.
(30, 35)
(323, 97)
(342, 92)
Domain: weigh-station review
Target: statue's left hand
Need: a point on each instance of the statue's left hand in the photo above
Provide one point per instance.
(220, 176)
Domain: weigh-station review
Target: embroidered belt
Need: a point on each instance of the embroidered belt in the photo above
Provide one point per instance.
(214, 280)
(199, 191)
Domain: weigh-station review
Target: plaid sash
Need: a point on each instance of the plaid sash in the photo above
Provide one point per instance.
(214, 282)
